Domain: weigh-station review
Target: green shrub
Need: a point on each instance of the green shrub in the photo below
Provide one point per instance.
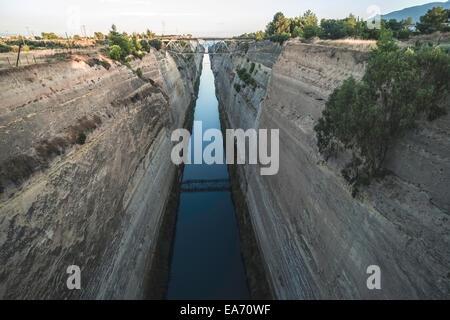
(95, 61)
(145, 46)
(39, 44)
(280, 38)
(186, 58)
(245, 46)
(123, 41)
(398, 88)
(155, 43)
(139, 55)
(237, 87)
(81, 139)
(5, 48)
(105, 64)
(246, 77)
(404, 34)
(115, 52)
(139, 72)
(252, 67)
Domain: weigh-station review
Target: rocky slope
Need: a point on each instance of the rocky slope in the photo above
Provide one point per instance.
(84, 171)
(316, 239)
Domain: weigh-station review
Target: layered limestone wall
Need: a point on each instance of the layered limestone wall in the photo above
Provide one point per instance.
(316, 239)
(97, 204)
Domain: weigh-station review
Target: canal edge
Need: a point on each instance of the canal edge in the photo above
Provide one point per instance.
(157, 279)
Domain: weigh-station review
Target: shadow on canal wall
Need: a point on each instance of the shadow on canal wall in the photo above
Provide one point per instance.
(158, 276)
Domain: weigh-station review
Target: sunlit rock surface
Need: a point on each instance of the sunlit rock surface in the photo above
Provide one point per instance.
(99, 204)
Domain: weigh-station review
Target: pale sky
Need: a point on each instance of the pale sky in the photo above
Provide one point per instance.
(197, 17)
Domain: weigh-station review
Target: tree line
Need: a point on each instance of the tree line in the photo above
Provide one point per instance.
(307, 26)
(122, 44)
(129, 44)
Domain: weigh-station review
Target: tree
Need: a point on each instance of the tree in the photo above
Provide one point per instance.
(49, 36)
(365, 117)
(296, 24)
(99, 36)
(403, 34)
(333, 29)
(259, 35)
(433, 20)
(145, 46)
(115, 52)
(134, 41)
(113, 30)
(297, 32)
(399, 28)
(150, 34)
(350, 25)
(155, 43)
(409, 21)
(279, 25)
(121, 40)
(4, 47)
(394, 25)
(310, 25)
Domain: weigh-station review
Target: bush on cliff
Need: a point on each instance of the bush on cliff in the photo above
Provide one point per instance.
(115, 52)
(398, 88)
(246, 77)
(123, 41)
(5, 48)
(279, 38)
(145, 46)
(155, 43)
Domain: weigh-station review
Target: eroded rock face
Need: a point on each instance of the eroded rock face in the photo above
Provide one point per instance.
(316, 239)
(97, 205)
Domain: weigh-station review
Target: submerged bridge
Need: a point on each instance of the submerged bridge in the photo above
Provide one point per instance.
(214, 185)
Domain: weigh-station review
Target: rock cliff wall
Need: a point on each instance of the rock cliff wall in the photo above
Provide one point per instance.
(84, 171)
(316, 239)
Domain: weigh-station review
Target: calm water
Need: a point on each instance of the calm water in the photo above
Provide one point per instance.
(206, 261)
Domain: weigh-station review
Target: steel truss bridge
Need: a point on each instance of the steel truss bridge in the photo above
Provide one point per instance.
(175, 45)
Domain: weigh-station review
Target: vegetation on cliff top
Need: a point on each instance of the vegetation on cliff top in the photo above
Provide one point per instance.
(399, 87)
(307, 26)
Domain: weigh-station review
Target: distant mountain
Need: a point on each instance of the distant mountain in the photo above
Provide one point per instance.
(414, 12)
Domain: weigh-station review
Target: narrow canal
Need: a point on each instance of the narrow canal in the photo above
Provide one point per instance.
(206, 261)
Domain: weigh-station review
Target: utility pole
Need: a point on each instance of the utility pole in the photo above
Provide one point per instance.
(68, 41)
(83, 31)
(18, 54)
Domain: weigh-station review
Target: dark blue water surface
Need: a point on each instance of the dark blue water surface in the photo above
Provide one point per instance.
(206, 261)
